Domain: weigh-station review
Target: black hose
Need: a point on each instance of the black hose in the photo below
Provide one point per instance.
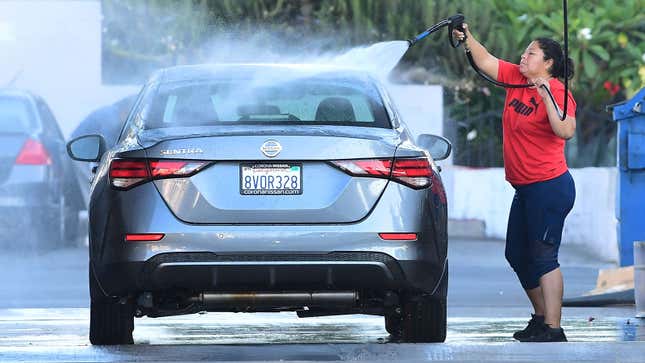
(489, 79)
(624, 297)
(561, 115)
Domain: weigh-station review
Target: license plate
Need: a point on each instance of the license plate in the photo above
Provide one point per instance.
(271, 179)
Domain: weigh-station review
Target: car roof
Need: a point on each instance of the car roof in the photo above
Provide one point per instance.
(250, 70)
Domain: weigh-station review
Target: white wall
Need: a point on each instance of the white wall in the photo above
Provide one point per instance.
(421, 107)
(593, 220)
(483, 194)
(55, 47)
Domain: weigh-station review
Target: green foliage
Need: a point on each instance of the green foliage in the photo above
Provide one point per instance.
(606, 42)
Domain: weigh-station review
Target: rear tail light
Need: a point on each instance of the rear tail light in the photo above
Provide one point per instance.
(144, 237)
(33, 152)
(370, 167)
(127, 173)
(413, 172)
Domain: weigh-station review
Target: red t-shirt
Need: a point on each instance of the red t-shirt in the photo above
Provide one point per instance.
(532, 151)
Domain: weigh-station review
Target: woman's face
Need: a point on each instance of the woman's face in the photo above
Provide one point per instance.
(532, 63)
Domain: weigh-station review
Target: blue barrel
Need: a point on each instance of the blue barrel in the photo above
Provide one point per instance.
(630, 201)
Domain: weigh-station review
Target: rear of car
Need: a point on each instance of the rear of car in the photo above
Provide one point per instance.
(38, 205)
(267, 188)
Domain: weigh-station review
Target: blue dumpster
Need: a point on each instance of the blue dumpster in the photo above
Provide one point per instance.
(630, 208)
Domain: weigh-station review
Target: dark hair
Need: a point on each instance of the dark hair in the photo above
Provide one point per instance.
(553, 50)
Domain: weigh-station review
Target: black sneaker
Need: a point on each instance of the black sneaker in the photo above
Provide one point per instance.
(548, 334)
(535, 326)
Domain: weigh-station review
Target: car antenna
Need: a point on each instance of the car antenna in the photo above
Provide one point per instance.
(15, 78)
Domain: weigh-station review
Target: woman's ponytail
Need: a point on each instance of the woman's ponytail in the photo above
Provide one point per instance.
(553, 50)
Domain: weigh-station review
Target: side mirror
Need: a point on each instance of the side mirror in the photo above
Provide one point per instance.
(86, 148)
(438, 147)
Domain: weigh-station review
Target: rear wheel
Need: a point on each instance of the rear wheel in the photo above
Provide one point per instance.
(393, 324)
(424, 321)
(111, 322)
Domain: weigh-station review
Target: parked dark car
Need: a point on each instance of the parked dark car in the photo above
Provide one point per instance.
(39, 195)
(251, 188)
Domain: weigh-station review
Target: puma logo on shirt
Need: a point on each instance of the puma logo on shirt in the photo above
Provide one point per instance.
(522, 108)
(532, 100)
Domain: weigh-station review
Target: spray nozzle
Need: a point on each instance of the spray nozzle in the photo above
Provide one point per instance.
(454, 22)
(457, 21)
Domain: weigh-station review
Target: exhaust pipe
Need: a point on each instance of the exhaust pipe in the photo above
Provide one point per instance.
(213, 300)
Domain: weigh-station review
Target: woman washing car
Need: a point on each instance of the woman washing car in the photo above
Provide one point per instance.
(534, 163)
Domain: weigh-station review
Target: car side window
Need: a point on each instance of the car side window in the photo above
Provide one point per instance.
(49, 124)
(140, 110)
(17, 114)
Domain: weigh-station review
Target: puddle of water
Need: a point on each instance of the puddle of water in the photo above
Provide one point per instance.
(280, 328)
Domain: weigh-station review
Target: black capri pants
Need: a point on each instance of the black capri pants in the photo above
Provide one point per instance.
(535, 227)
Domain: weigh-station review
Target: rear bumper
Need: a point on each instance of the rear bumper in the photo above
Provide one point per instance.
(208, 271)
(334, 271)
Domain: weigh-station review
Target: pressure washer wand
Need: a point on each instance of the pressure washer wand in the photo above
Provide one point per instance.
(428, 31)
(454, 21)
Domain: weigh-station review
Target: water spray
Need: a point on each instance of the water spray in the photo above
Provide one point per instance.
(457, 21)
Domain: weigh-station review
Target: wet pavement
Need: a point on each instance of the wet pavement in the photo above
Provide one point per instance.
(61, 335)
(68, 327)
(44, 317)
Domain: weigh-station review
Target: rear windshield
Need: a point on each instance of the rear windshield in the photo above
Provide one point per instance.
(236, 102)
(16, 115)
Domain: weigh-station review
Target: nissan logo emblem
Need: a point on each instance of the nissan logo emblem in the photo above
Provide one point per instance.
(271, 148)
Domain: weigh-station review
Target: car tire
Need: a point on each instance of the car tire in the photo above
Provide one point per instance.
(424, 320)
(111, 322)
(393, 323)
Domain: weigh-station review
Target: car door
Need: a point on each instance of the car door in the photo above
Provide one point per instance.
(62, 177)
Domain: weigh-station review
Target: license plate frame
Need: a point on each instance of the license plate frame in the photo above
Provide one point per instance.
(270, 174)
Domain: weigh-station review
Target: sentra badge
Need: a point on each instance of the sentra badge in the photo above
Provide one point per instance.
(193, 150)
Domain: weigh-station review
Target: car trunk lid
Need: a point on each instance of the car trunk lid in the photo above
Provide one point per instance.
(245, 184)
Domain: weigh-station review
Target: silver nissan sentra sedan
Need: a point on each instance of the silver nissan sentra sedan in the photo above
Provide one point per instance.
(262, 188)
